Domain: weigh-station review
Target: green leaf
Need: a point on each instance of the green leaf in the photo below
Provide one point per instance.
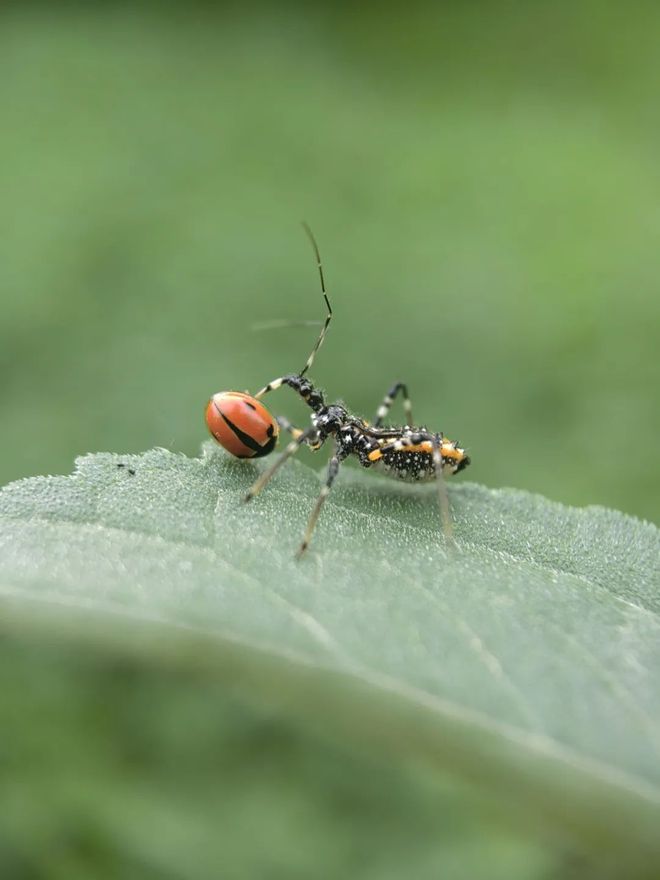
(523, 662)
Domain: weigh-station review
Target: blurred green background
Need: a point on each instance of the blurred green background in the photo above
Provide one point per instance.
(483, 180)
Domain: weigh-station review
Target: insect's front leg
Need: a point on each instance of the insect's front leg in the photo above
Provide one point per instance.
(314, 443)
(289, 427)
(310, 434)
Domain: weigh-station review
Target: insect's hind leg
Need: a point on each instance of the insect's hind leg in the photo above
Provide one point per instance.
(416, 438)
(388, 400)
(441, 486)
(333, 468)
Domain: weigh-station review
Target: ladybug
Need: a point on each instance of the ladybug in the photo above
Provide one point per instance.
(241, 424)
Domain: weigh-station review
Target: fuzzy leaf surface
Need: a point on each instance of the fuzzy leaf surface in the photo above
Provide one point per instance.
(525, 660)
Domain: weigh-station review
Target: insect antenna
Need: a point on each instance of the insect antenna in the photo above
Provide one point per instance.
(324, 329)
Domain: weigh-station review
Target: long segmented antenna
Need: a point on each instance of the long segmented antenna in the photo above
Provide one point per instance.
(324, 330)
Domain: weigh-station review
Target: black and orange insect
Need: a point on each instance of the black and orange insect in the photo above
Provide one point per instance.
(244, 427)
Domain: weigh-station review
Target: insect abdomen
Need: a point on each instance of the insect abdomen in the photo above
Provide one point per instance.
(412, 467)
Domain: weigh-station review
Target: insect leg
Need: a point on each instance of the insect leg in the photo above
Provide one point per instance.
(441, 486)
(388, 400)
(333, 468)
(432, 443)
(287, 426)
(270, 472)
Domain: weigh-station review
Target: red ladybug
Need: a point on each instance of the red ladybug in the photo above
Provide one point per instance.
(241, 424)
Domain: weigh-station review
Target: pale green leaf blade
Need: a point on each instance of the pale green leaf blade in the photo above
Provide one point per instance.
(526, 660)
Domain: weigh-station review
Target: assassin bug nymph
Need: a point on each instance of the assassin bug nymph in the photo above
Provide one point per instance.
(243, 425)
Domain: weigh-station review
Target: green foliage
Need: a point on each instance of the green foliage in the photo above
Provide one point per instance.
(184, 694)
